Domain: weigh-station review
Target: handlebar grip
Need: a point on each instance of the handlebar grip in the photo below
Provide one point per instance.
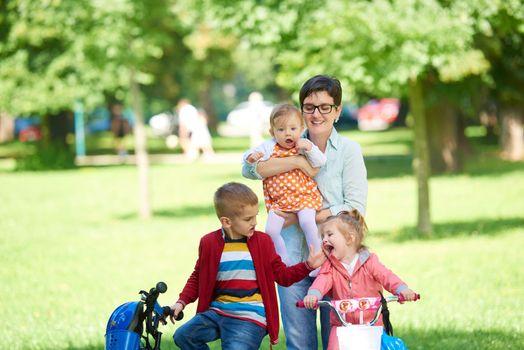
(401, 298)
(180, 316)
(161, 287)
(169, 312)
(300, 304)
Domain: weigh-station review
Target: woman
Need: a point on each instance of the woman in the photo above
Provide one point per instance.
(342, 183)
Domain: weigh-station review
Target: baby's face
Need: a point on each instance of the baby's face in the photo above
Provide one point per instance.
(287, 129)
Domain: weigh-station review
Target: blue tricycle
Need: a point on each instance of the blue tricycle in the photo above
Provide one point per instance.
(126, 326)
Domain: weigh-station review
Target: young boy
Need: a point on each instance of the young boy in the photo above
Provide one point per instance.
(234, 277)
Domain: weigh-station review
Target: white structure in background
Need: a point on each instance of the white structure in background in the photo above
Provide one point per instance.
(250, 118)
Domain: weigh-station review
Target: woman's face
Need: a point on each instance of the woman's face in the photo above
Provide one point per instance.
(318, 123)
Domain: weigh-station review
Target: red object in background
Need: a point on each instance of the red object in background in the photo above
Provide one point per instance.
(31, 133)
(378, 114)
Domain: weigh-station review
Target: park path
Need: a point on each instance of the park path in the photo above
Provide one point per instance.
(109, 159)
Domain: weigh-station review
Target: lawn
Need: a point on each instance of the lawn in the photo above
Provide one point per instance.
(72, 248)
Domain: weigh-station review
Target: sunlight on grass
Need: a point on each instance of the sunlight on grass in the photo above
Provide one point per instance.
(73, 249)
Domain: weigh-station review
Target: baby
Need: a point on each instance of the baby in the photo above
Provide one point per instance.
(292, 191)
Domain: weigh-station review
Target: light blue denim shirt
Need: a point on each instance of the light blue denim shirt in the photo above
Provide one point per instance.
(342, 181)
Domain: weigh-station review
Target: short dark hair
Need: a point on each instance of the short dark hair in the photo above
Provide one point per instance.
(231, 198)
(331, 85)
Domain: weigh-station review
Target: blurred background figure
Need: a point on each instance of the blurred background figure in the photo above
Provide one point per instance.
(7, 127)
(256, 115)
(120, 128)
(193, 133)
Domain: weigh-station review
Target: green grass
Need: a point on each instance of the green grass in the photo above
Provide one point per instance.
(72, 247)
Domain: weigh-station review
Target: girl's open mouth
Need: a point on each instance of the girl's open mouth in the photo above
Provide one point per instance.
(328, 248)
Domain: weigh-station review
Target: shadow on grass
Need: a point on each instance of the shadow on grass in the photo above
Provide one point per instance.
(388, 166)
(415, 339)
(391, 166)
(491, 165)
(99, 346)
(186, 212)
(431, 339)
(453, 339)
(483, 227)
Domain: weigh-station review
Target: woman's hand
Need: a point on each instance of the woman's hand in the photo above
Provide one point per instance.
(304, 165)
(176, 307)
(322, 215)
(289, 218)
(275, 166)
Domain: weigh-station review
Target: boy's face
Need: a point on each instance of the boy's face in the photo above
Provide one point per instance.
(287, 130)
(242, 225)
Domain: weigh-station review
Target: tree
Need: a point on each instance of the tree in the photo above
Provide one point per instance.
(501, 38)
(376, 47)
(56, 53)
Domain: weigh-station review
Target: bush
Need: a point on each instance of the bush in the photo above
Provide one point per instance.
(48, 156)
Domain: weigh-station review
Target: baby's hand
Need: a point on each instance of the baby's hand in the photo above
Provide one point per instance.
(176, 307)
(303, 144)
(253, 157)
(408, 295)
(310, 302)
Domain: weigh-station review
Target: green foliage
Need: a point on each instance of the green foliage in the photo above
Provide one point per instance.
(47, 156)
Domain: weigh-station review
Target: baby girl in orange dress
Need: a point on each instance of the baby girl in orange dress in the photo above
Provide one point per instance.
(291, 191)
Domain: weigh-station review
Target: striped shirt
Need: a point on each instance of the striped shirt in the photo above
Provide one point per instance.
(236, 290)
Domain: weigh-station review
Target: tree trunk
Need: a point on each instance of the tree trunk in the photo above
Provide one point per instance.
(512, 135)
(421, 165)
(142, 160)
(208, 105)
(443, 136)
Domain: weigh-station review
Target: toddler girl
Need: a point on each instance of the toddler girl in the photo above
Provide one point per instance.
(292, 191)
(351, 271)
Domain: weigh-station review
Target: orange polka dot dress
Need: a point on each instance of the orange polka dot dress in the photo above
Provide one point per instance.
(290, 191)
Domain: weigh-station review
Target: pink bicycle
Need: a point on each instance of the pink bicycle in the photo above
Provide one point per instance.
(364, 335)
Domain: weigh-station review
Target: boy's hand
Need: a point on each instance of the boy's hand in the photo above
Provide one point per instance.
(408, 295)
(253, 157)
(303, 144)
(176, 307)
(310, 301)
(315, 259)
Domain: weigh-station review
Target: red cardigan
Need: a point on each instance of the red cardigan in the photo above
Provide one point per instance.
(269, 268)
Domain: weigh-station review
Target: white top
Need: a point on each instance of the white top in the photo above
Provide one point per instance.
(315, 157)
(351, 266)
(188, 116)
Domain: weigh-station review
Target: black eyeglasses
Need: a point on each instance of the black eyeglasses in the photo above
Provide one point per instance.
(324, 108)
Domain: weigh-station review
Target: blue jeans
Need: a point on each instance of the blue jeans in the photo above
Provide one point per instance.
(205, 327)
(300, 325)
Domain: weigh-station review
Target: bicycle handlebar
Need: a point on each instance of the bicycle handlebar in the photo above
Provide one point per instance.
(344, 306)
(399, 298)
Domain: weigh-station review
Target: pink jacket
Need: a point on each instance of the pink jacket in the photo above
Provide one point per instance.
(369, 277)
